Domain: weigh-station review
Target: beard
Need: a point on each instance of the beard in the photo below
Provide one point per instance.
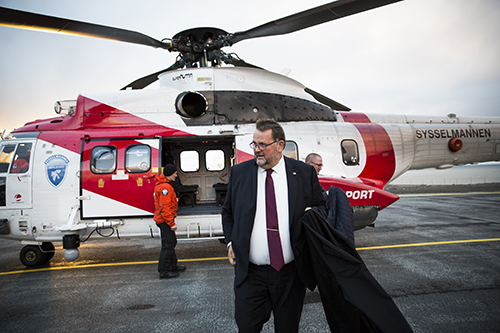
(261, 160)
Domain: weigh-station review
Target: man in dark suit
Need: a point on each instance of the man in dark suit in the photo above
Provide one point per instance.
(267, 279)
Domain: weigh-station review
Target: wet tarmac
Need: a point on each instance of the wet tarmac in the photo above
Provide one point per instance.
(438, 256)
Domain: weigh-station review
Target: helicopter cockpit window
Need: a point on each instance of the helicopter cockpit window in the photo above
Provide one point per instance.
(103, 159)
(189, 161)
(6, 155)
(291, 150)
(138, 158)
(21, 162)
(214, 160)
(350, 154)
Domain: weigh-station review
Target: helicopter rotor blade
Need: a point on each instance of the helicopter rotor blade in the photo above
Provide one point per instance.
(145, 81)
(327, 101)
(309, 18)
(32, 21)
(236, 61)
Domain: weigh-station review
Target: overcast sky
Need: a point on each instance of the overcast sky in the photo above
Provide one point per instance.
(413, 57)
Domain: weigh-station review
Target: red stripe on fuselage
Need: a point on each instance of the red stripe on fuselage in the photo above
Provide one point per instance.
(102, 121)
(360, 194)
(99, 115)
(72, 139)
(135, 190)
(243, 156)
(97, 121)
(355, 117)
(380, 158)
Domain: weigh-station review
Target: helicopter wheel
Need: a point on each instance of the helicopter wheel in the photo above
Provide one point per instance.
(32, 255)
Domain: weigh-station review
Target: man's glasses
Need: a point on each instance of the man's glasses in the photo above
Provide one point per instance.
(320, 165)
(261, 146)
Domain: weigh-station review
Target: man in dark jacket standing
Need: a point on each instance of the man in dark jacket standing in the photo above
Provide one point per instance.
(265, 200)
(165, 213)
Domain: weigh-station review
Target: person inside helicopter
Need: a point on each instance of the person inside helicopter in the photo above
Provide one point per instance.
(22, 159)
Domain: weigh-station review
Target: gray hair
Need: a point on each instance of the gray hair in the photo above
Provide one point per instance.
(312, 156)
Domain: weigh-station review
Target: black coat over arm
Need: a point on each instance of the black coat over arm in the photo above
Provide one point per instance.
(352, 299)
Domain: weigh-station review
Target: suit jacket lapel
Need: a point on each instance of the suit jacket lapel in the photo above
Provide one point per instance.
(253, 191)
(291, 178)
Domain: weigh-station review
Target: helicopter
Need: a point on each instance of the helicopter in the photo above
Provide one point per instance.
(90, 170)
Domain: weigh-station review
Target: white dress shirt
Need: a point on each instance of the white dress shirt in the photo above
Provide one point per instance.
(259, 250)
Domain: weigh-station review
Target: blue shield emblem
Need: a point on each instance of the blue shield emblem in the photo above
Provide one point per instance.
(56, 169)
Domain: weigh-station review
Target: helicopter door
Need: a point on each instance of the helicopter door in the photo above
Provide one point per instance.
(15, 174)
(118, 177)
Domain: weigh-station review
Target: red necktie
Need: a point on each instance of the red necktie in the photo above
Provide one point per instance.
(273, 235)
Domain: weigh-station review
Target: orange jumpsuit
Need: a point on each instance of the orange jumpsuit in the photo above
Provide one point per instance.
(165, 213)
(165, 201)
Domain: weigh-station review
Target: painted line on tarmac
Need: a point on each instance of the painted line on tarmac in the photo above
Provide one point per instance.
(58, 268)
(225, 258)
(427, 244)
(444, 194)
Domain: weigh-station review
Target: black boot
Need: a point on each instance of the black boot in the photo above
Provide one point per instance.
(179, 269)
(169, 275)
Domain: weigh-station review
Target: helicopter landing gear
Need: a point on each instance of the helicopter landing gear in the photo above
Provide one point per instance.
(36, 255)
(49, 250)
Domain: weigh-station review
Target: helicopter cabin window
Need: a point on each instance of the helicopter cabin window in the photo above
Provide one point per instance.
(214, 160)
(138, 158)
(190, 161)
(6, 157)
(291, 150)
(103, 159)
(21, 162)
(350, 154)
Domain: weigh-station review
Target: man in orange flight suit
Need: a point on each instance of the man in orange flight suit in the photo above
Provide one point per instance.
(165, 213)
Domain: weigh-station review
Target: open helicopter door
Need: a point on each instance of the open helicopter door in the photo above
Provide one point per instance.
(118, 177)
(16, 174)
(16, 170)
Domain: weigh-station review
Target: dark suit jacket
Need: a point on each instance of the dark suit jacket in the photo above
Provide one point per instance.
(238, 212)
